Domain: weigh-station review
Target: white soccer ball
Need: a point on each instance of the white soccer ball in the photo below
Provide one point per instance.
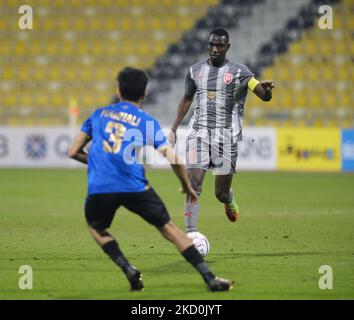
(200, 242)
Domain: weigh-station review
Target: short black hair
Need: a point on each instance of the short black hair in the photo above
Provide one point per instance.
(132, 83)
(220, 32)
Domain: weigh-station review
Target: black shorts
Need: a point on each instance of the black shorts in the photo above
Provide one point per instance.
(101, 208)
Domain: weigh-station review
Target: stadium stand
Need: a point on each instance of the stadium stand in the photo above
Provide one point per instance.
(76, 48)
(313, 69)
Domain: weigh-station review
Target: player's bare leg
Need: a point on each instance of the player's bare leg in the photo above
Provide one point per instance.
(172, 233)
(225, 195)
(191, 210)
(101, 237)
(110, 246)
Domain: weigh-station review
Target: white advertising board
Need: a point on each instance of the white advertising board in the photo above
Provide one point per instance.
(256, 151)
(47, 147)
(36, 147)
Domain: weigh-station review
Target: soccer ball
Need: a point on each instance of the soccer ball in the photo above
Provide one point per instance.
(200, 242)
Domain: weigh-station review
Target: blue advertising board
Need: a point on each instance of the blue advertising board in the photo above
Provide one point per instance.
(348, 150)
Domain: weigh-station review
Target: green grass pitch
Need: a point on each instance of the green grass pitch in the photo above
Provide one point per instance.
(290, 225)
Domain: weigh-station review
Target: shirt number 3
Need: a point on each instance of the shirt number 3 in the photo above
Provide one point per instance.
(116, 132)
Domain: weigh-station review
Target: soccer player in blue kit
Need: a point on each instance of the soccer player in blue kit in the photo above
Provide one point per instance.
(115, 178)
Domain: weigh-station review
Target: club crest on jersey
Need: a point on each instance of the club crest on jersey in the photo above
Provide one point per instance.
(228, 78)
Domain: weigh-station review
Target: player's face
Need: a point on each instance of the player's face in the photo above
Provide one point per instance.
(218, 46)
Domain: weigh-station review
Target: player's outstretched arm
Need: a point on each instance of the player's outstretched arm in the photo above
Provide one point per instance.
(76, 150)
(264, 89)
(183, 108)
(180, 171)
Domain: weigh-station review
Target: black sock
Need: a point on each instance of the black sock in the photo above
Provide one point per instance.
(192, 255)
(113, 251)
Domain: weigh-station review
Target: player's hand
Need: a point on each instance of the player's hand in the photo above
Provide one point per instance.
(268, 85)
(172, 138)
(191, 195)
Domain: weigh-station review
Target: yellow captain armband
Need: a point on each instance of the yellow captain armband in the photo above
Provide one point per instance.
(252, 83)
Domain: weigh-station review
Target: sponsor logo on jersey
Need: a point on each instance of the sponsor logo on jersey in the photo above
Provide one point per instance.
(211, 94)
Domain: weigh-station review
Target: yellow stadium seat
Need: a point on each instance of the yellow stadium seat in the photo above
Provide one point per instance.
(42, 100)
(328, 74)
(24, 74)
(296, 48)
(313, 73)
(168, 3)
(348, 123)
(338, 22)
(69, 74)
(299, 100)
(26, 99)
(79, 24)
(49, 24)
(325, 47)
(12, 3)
(8, 73)
(340, 48)
(53, 73)
(330, 100)
(344, 72)
(10, 100)
(314, 100)
(260, 122)
(39, 74)
(68, 48)
(268, 73)
(287, 100)
(350, 23)
(60, 3)
(298, 73)
(187, 23)
(44, 2)
(310, 48)
(346, 101)
(35, 48)
(159, 49)
(111, 24)
(125, 24)
(58, 100)
(171, 24)
(20, 49)
(282, 74)
(86, 74)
